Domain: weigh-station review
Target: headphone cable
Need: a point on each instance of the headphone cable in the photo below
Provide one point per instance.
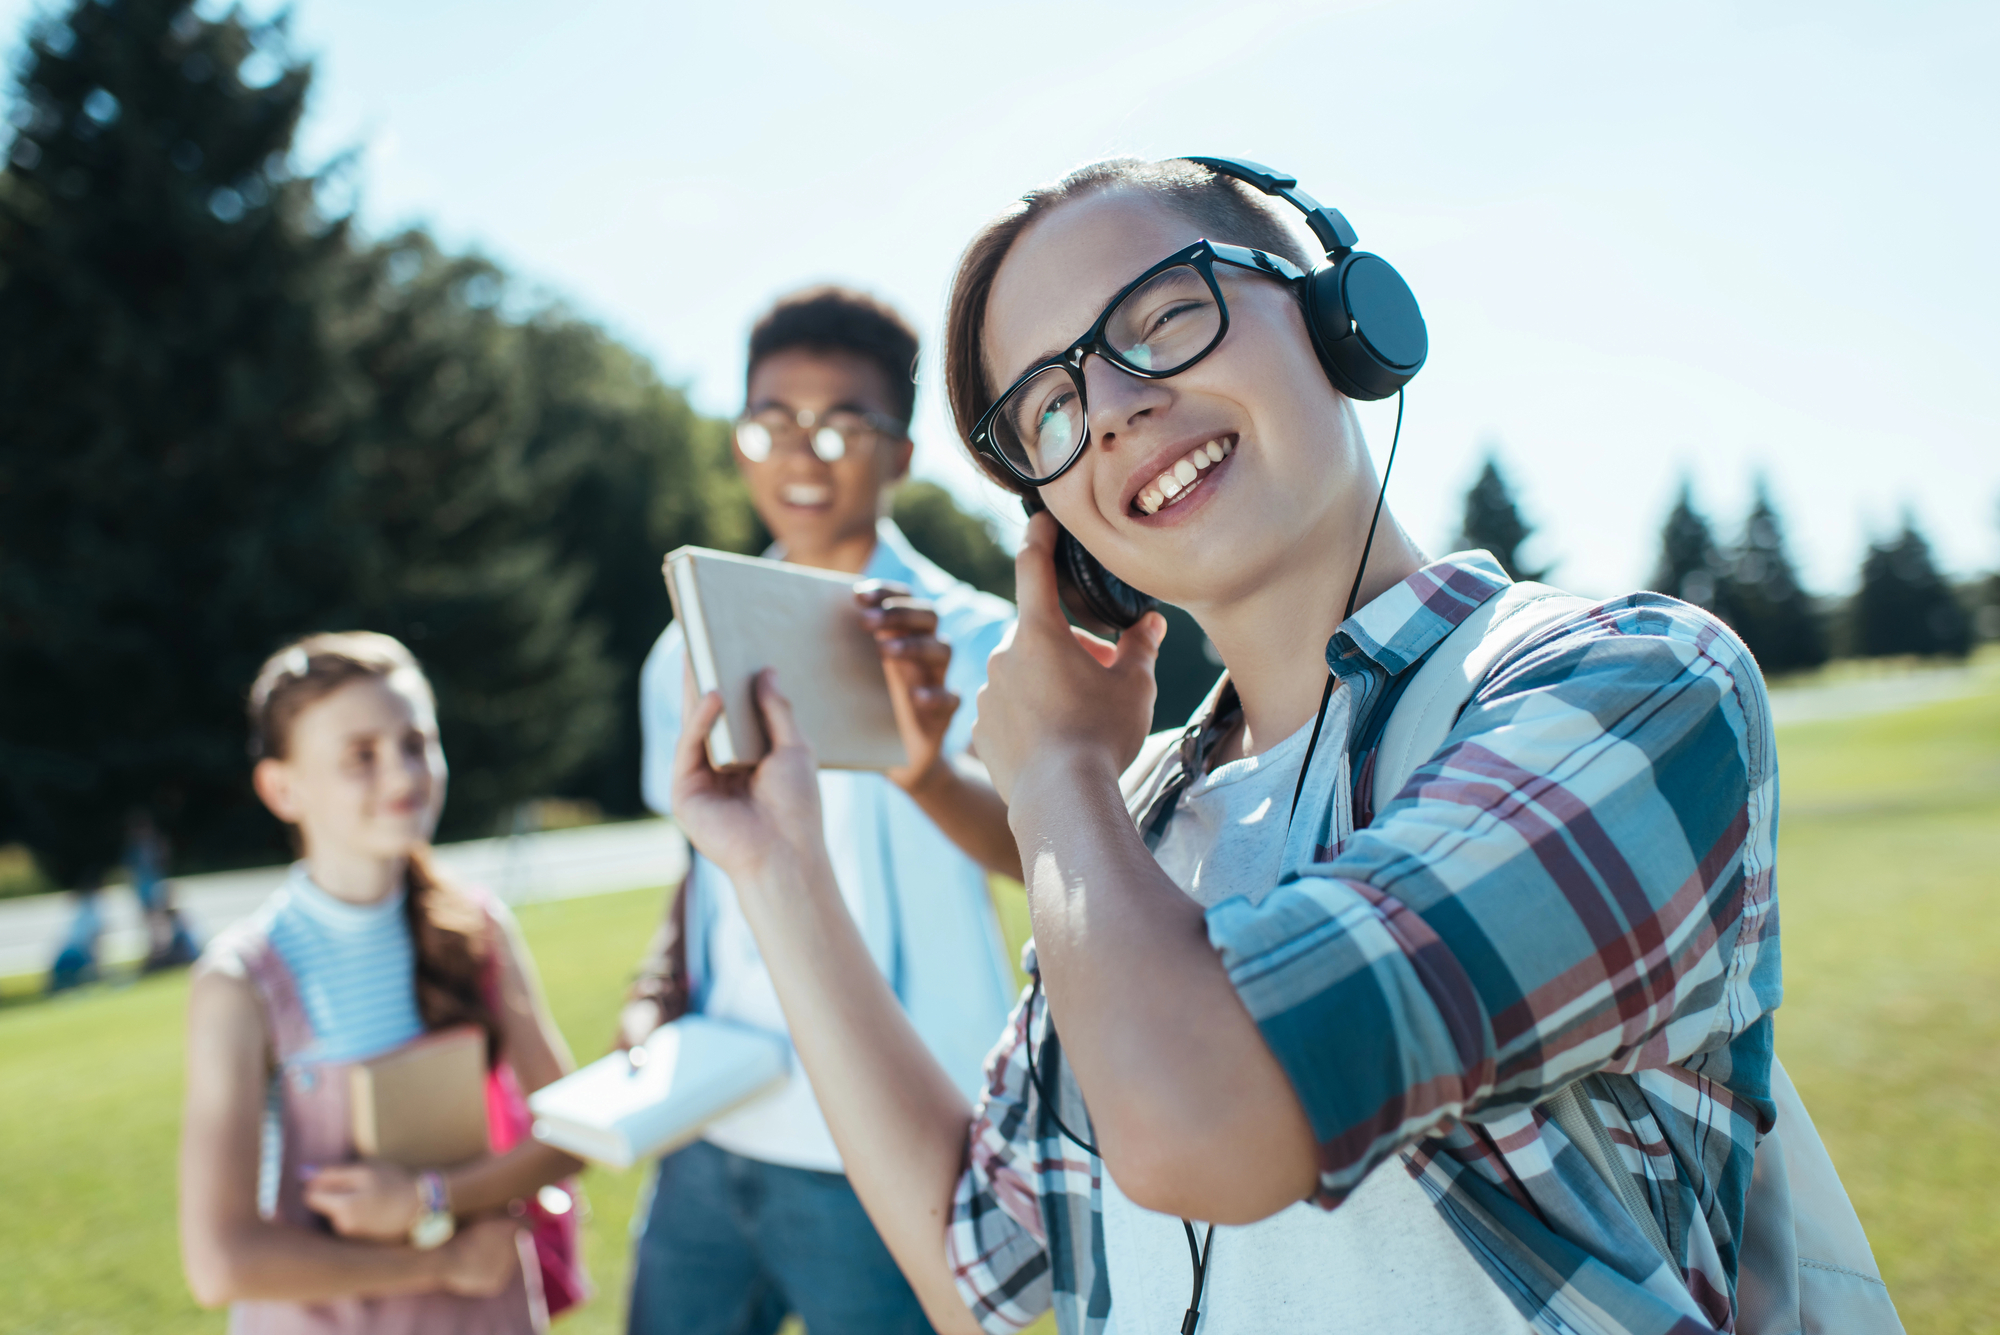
(1198, 1256)
(1200, 1262)
(1354, 592)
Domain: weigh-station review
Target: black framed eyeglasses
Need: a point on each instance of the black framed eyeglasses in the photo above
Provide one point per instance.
(829, 435)
(1159, 324)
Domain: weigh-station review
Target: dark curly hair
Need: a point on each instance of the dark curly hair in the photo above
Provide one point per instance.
(840, 319)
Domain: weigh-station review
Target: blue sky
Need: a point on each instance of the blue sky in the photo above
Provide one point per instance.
(1650, 240)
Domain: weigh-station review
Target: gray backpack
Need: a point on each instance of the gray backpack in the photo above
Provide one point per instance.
(1805, 1266)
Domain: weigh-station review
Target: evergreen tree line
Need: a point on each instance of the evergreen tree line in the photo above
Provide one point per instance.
(1904, 604)
(227, 418)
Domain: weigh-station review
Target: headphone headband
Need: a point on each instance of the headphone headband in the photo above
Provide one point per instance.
(1328, 224)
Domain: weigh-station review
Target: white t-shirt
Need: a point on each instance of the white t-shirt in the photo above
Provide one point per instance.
(1385, 1262)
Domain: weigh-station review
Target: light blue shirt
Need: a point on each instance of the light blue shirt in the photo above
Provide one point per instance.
(354, 966)
(920, 903)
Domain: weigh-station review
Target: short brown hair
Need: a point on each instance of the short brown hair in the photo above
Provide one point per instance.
(840, 319)
(1224, 208)
(308, 670)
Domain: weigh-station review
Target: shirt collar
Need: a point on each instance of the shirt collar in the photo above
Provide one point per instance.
(1395, 630)
(893, 559)
(339, 915)
(1400, 626)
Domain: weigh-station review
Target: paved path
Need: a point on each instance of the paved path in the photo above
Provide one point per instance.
(557, 864)
(1856, 696)
(601, 859)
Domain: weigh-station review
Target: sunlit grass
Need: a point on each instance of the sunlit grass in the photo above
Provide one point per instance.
(1889, 868)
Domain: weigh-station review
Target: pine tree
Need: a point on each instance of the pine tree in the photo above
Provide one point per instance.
(446, 530)
(166, 382)
(1492, 521)
(225, 422)
(1904, 606)
(633, 472)
(1766, 606)
(1691, 567)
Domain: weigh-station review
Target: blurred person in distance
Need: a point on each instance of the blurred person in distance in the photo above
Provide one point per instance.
(169, 941)
(365, 948)
(756, 1220)
(76, 959)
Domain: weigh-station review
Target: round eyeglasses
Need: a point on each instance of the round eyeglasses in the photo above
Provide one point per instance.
(828, 435)
(1159, 324)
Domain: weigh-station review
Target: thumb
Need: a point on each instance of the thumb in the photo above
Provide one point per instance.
(1139, 647)
(1035, 597)
(780, 724)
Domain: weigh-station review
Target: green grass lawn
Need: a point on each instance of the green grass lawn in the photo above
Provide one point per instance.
(1891, 1027)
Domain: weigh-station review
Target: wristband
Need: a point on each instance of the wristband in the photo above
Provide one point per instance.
(434, 1225)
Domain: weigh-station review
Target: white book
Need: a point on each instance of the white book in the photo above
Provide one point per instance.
(741, 614)
(617, 1111)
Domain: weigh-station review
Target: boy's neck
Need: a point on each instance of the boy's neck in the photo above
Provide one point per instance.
(1276, 656)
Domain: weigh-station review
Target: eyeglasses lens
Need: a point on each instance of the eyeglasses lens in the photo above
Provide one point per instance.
(759, 437)
(1166, 323)
(754, 439)
(1040, 426)
(829, 443)
(1163, 326)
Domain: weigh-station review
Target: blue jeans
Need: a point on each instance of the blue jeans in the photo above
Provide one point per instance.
(732, 1245)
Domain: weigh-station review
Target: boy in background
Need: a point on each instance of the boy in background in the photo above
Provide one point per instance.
(755, 1220)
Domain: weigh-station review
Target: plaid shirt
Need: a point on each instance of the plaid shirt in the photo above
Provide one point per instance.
(1576, 887)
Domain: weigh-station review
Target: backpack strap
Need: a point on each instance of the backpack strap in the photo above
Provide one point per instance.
(1805, 1262)
(245, 951)
(1452, 671)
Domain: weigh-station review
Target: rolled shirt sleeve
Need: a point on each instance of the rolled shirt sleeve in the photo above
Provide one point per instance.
(1578, 881)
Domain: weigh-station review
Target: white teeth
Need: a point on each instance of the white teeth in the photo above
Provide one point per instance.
(803, 494)
(1169, 486)
(1172, 484)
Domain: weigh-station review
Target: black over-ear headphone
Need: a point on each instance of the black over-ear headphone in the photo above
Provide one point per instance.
(1365, 327)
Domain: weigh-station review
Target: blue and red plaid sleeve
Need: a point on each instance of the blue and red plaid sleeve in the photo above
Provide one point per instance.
(1576, 882)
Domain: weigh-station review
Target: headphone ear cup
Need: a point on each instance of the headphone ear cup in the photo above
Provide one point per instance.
(1102, 602)
(1099, 595)
(1365, 325)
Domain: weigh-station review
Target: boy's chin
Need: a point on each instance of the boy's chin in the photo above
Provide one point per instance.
(815, 525)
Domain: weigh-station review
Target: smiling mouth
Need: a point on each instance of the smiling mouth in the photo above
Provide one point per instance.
(1188, 473)
(805, 493)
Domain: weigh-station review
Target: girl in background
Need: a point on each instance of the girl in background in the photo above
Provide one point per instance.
(363, 949)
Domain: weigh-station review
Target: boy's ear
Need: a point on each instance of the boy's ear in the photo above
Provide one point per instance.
(899, 461)
(273, 782)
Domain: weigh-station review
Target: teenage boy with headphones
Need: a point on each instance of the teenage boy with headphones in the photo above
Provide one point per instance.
(755, 1220)
(1483, 1047)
